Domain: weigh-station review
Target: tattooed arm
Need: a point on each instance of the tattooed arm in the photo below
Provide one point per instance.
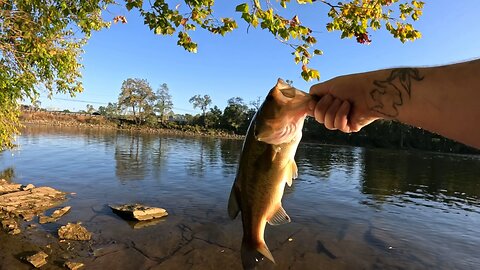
(444, 100)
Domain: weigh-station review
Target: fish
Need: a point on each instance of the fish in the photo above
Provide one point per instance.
(266, 165)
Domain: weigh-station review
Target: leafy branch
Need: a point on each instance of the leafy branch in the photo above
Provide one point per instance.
(352, 18)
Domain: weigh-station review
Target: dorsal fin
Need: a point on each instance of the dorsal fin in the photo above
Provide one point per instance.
(280, 217)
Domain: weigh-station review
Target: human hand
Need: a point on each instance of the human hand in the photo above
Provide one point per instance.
(343, 103)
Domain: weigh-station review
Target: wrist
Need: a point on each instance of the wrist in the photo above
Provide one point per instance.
(390, 94)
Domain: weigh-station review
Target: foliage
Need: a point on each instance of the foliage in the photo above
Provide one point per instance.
(111, 110)
(40, 45)
(213, 117)
(235, 114)
(256, 103)
(202, 103)
(90, 108)
(353, 18)
(138, 95)
(164, 103)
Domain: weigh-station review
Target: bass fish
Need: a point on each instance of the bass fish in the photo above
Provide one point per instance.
(266, 165)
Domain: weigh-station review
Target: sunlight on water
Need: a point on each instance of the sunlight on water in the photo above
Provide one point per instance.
(351, 208)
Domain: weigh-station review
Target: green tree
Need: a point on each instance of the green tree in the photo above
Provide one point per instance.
(213, 117)
(164, 103)
(202, 103)
(235, 115)
(111, 110)
(256, 103)
(40, 47)
(102, 110)
(138, 95)
(90, 108)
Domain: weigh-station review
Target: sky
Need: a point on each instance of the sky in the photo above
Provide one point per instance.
(247, 64)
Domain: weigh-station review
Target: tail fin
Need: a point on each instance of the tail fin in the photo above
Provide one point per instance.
(252, 253)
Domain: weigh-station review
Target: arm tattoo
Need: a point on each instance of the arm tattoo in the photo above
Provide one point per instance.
(389, 94)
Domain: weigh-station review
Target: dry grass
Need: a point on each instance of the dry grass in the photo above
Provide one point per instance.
(54, 117)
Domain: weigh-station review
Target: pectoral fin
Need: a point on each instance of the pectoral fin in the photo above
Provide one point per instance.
(294, 173)
(234, 202)
(280, 217)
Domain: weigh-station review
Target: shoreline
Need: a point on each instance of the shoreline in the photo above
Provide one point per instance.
(191, 131)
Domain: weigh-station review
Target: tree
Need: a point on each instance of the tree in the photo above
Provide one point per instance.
(235, 115)
(138, 95)
(213, 117)
(90, 108)
(40, 45)
(110, 110)
(256, 103)
(202, 103)
(164, 102)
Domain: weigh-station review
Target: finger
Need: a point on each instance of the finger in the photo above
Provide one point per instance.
(319, 89)
(321, 108)
(341, 118)
(331, 113)
(311, 107)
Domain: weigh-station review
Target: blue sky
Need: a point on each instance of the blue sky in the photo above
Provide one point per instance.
(248, 64)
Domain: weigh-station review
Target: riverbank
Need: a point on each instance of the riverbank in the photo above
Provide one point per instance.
(101, 122)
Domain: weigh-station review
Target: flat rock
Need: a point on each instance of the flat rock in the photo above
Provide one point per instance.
(31, 201)
(45, 219)
(42, 219)
(138, 211)
(7, 188)
(61, 212)
(73, 265)
(73, 231)
(38, 259)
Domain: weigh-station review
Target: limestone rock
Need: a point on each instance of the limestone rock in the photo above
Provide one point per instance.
(10, 225)
(73, 265)
(27, 187)
(30, 202)
(138, 211)
(38, 259)
(55, 215)
(45, 219)
(74, 232)
(61, 212)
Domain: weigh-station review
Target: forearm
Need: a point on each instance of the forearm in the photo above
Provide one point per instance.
(444, 100)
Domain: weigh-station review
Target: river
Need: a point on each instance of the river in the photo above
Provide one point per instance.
(351, 207)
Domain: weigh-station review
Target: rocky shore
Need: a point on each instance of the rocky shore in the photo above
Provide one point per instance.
(25, 241)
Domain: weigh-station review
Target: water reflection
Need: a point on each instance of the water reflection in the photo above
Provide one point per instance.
(348, 205)
(8, 174)
(230, 153)
(131, 154)
(415, 177)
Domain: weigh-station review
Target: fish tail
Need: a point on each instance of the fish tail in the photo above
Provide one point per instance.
(252, 253)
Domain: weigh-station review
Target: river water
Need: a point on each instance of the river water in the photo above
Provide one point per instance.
(351, 208)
